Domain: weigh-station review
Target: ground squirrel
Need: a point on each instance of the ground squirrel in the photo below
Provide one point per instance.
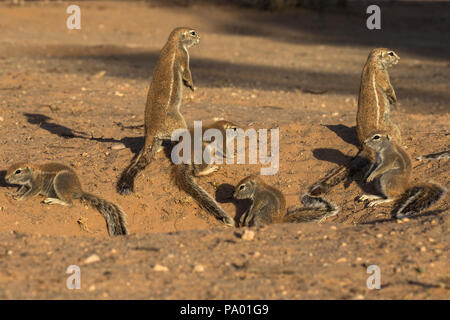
(60, 184)
(435, 156)
(269, 205)
(162, 111)
(392, 169)
(376, 95)
(184, 174)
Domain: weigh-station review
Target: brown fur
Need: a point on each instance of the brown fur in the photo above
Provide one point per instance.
(60, 185)
(269, 205)
(184, 174)
(392, 169)
(376, 95)
(162, 110)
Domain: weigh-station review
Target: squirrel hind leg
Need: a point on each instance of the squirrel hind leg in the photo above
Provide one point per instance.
(200, 170)
(66, 186)
(56, 201)
(369, 197)
(125, 184)
(374, 203)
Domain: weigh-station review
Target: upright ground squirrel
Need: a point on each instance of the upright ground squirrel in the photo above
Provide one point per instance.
(60, 184)
(392, 169)
(162, 111)
(269, 205)
(376, 95)
(184, 174)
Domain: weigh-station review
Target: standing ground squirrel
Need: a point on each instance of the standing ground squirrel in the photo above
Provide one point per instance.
(392, 168)
(60, 184)
(376, 95)
(184, 174)
(162, 111)
(269, 205)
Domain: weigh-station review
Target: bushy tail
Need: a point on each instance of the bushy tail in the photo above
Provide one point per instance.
(125, 184)
(114, 216)
(339, 174)
(417, 199)
(435, 156)
(183, 174)
(313, 209)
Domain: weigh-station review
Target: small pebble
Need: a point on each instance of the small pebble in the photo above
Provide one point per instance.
(160, 268)
(91, 259)
(199, 268)
(248, 235)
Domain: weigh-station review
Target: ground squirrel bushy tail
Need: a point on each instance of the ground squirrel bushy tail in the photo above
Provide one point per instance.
(313, 209)
(114, 216)
(435, 156)
(184, 178)
(339, 174)
(418, 198)
(125, 184)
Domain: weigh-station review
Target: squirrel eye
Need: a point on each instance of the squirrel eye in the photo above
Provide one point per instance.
(18, 171)
(241, 187)
(376, 137)
(192, 33)
(391, 54)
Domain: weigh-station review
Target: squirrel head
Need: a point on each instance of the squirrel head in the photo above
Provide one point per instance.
(246, 188)
(378, 140)
(386, 57)
(224, 125)
(187, 36)
(19, 173)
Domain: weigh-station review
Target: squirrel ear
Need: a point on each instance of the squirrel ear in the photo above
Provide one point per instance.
(388, 137)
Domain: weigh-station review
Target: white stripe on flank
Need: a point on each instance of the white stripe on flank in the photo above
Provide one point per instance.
(376, 98)
(171, 80)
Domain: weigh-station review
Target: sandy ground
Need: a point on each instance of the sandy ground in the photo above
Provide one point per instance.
(63, 93)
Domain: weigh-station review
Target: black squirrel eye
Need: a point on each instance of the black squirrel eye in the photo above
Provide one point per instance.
(376, 137)
(242, 187)
(391, 54)
(192, 33)
(18, 171)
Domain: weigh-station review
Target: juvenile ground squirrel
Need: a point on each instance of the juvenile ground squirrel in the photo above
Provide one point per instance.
(162, 111)
(184, 174)
(376, 95)
(269, 205)
(60, 185)
(392, 169)
(435, 156)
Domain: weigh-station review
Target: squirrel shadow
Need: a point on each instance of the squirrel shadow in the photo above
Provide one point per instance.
(331, 155)
(224, 194)
(337, 157)
(133, 143)
(3, 182)
(347, 134)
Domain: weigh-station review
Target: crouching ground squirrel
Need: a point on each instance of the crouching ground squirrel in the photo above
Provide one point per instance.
(60, 185)
(269, 205)
(184, 174)
(162, 111)
(376, 95)
(392, 168)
